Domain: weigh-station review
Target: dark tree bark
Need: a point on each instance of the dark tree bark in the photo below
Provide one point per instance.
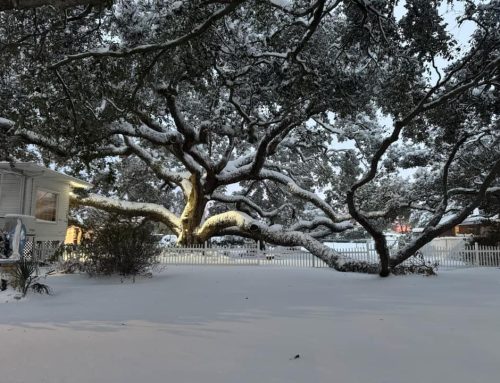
(6, 5)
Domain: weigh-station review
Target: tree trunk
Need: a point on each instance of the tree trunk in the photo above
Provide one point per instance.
(383, 253)
(192, 214)
(378, 236)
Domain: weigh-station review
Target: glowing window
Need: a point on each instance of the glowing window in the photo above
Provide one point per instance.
(46, 205)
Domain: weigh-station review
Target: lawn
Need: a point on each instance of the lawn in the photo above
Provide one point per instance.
(241, 324)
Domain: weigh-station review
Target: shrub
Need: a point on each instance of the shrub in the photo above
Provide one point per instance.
(416, 265)
(120, 247)
(23, 278)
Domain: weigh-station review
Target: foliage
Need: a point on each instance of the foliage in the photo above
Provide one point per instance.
(119, 246)
(23, 277)
(416, 264)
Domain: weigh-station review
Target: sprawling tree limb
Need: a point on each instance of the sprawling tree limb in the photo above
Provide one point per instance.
(302, 193)
(238, 198)
(422, 106)
(190, 133)
(133, 209)
(6, 124)
(54, 146)
(278, 236)
(6, 5)
(322, 221)
(143, 131)
(161, 171)
(471, 191)
(123, 52)
(43, 141)
(431, 231)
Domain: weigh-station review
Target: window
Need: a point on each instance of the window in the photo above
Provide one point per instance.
(46, 205)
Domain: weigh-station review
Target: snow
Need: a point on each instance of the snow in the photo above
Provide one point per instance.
(246, 324)
(5, 122)
(176, 5)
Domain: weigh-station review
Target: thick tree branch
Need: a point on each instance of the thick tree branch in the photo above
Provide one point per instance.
(133, 209)
(6, 5)
(160, 171)
(146, 48)
(432, 231)
(237, 198)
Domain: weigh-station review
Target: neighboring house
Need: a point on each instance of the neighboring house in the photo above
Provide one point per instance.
(475, 225)
(484, 230)
(39, 195)
(479, 226)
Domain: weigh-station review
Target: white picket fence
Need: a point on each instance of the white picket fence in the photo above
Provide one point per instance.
(465, 256)
(241, 255)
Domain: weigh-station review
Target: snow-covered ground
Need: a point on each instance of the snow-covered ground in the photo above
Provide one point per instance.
(247, 324)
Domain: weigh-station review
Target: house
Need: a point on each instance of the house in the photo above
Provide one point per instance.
(476, 227)
(479, 226)
(39, 196)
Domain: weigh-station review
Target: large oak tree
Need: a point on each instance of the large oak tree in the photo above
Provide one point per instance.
(280, 121)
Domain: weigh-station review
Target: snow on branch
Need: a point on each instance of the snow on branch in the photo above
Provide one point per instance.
(28, 4)
(6, 123)
(218, 222)
(471, 191)
(251, 204)
(160, 171)
(278, 236)
(431, 230)
(133, 209)
(322, 221)
(43, 141)
(249, 166)
(56, 148)
(301, 193)
(143, 131)
(145, 48)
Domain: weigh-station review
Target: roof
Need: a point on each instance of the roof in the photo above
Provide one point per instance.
(31, 169)
(474, 220)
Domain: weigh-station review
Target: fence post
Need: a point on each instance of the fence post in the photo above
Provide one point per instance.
(205, 252)
(368, 251)
(476, 254)
(314, 259)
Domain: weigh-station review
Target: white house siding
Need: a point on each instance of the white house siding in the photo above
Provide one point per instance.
(11, 194)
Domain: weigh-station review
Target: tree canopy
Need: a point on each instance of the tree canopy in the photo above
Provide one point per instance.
(284, 121)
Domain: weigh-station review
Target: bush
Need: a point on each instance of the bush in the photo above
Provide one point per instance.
(23, 278)
(120, 247)
(416, 265)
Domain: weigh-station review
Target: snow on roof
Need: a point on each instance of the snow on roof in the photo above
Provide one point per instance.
(476, 218)
(34, 170)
